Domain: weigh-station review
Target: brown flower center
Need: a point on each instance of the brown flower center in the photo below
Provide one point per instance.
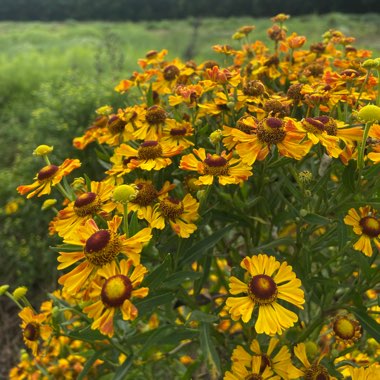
(265, 362)
(149, 150)
(313, 125)
(270, 131)
(155, 115)
(171, 72)
(317, 372)
(253, 376)
(171, 208)
(254, 88)
(370, 226)
(146, 195)
(87, 204)
(116, 290)
(47, 173)
(215, 165)
(102, 247)
(329, 124)
(262, 289)
(115, 125)
(32, 331)
(178, 132)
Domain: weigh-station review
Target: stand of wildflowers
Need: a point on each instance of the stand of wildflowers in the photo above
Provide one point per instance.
(233, 228)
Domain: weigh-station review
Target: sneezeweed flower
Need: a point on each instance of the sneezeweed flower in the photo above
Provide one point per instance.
(371, 372)
(224, 167)
(97, 201)
(374, 140)
(346, 329)
(366, 223)
(255, 371)
(267, 282)
(35, 328)
(314, 371)
(147, 196)
(179, 213)
(152, 127)
(151, 155)
(47, 177)
(270, 131)
(177, 134)
(96, 248)
(119, 284)
(279, 362)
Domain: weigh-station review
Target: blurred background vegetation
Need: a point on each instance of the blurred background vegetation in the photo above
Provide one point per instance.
(54, 75)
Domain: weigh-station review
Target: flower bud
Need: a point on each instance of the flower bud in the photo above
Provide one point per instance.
(125, 193)
(369, 113)
(42, 150)
(19, 292)
(48, 203)
(3, 289)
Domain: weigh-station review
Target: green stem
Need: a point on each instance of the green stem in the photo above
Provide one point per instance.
(360, 162)
(125, 219)
(63, 191)
(362, 88)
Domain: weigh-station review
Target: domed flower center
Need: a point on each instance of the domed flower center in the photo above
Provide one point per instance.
(32, 331)
(87, 204)
(47, 173)
(171, 72)
(149, 150)
(344, 328)
(262, 289)
(370, 226)
(313, 125)
(155, 115)
(146, 195)
(178, 132)
(253, 376)
(329, 124)
(254, 88)
(215, 165)
(270, 131)
(317, 372)
(245, 127)
(265, 362)
(171, 208)
(102, 247)
(116, 290)
(128, 160)
(116, 125)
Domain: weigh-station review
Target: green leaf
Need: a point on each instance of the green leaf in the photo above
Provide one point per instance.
(200, 248)
(368, 323)
(121, 372)
(200, 316)
(316, 219)
(274, 243)
(156, 277)
(349, 177)
(149, 97)
(90, 362)
(180, 277)
(209, 351)
(67, 248)
(87, 335)
(151, 302)
(133, 224)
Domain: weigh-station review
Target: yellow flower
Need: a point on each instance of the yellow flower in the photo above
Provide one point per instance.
(367, 225)
(179, 213)
(97, 201)
(47, 177)
(98, 247)
(269, 281)
(224, 167)
(253, 372)
(369, 373)
(311, 371)
(280, 363)
(113, 292)
(346, 329)
(33, 328)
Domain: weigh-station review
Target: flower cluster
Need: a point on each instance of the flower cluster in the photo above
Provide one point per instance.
(220, 215)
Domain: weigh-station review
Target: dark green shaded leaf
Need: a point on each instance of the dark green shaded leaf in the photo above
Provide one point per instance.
(368, 323)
